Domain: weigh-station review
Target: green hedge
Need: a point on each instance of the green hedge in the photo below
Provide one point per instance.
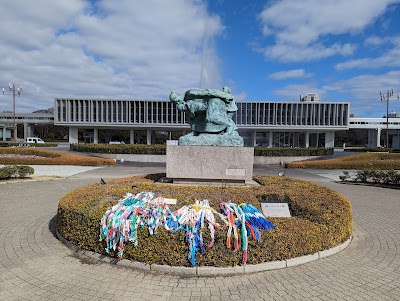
(15, 171)
(161, 150)
(321, 219)
(292, 152)
(372, 150)
(156, 149)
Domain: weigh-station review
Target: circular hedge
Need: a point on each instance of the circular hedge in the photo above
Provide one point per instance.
(321, 219)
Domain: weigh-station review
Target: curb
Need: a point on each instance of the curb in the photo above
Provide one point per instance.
(205, 270)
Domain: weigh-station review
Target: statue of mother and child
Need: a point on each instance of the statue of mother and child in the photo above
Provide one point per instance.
(209, 113)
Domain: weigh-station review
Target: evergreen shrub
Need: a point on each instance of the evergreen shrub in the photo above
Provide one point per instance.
(387, 177)
(158, 149)
(15, 171)
(321, 219)
(372, 149)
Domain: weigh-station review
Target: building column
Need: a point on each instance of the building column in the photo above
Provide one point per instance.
(73, 135)
(132, 137)
(253, 138)
(374, 138)
(4, 133)
(378, 137)
(96, 136)
(270, 138)
(329, 139)
(307, 139)
(148, 134)
(31, 131)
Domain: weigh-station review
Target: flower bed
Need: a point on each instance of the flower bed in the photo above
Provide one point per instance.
(321, 219)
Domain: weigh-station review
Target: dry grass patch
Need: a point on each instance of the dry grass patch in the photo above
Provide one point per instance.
(358, 161)
(48, 157)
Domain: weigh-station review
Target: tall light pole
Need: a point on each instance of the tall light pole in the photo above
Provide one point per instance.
(386, 98)
(14, 91)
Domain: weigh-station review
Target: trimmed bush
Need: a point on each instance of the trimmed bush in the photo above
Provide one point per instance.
(50, 157)
(387, 177)
(15, 171)
(358, 161)
(321, 219)
(292, 152)
(141, 149)
(371, 150)
(158, 149)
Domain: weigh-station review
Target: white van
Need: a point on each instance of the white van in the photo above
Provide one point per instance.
(34, 140)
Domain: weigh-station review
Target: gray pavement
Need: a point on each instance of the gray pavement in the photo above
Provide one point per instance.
(34, 265)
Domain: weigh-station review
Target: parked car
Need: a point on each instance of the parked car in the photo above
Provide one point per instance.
(34, 140)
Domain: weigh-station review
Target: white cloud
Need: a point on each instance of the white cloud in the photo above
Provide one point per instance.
(241, 96)
(136, 49)
(282, 75)
(302, 28)
(293, 92)
(391, 58)
(364, 91)
(293, 53)
(374, 41)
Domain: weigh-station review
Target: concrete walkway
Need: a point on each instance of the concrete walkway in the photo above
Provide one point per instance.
(34, 265)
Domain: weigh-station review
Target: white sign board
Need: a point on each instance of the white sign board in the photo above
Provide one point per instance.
(172, 142)
(275, 209)
(170, 201)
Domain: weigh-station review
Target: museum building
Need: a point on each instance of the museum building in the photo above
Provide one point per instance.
(307, 123)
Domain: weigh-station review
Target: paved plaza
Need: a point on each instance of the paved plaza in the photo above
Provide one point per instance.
(34, 265)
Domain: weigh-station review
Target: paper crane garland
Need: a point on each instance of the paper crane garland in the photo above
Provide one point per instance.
(120, 223)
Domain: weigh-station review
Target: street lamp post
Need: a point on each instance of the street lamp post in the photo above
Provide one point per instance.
(14, 91)
(386, 98)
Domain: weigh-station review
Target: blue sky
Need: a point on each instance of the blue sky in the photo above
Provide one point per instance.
(345, 50)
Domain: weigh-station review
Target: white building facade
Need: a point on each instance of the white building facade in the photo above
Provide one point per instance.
(269, 124)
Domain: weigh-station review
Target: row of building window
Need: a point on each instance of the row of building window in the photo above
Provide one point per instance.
(164, 112)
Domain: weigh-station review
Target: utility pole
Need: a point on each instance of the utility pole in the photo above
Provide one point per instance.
(386, 98)
(14, 91)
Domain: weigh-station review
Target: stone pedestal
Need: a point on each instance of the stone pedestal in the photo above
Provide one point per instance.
(209, 163)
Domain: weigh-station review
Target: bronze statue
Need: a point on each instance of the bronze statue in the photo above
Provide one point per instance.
(209, 113)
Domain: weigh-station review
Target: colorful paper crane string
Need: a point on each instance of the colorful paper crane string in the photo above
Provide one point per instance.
(120, 223)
